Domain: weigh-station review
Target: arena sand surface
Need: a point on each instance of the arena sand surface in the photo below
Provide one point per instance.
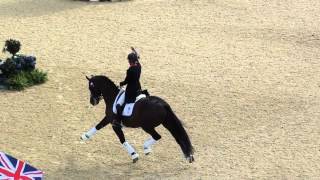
(243, 75)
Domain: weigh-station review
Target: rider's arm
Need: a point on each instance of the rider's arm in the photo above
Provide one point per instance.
(128, 78)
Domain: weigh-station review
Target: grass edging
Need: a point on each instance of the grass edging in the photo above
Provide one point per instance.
(24, 79)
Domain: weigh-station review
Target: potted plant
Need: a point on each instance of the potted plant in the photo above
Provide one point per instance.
(19, 71)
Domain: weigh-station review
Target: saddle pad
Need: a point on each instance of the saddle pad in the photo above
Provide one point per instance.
(128, 108)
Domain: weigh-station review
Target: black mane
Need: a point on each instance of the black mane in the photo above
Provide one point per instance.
(105, 80)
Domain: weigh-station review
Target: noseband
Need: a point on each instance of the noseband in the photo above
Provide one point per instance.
(97, 97)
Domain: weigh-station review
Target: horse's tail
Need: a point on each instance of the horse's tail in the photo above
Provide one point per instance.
(174, 125)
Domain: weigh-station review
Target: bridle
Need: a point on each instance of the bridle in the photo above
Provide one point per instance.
(97, 97)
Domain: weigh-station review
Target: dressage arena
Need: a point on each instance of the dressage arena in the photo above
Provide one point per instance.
(243, 76)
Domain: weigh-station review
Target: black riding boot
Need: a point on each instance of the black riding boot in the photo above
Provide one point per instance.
(117, 120)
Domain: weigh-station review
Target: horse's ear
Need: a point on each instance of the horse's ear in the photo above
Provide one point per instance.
(88, 78)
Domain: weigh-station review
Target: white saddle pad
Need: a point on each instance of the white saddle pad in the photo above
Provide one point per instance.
(128, 108)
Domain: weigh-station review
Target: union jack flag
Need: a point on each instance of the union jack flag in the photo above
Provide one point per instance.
(14, 169)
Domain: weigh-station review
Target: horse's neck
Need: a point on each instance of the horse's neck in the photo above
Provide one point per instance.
(109, 92)
(109, 98)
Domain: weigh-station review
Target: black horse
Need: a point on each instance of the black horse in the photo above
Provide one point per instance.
(148, 113)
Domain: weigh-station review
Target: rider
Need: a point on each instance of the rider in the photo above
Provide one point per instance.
(132, 82)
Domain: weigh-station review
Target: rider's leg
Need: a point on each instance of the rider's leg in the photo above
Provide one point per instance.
(118, 116)
(119, 108)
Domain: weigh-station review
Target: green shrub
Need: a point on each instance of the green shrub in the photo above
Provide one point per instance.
(18, 72)
(18, 81)
(38, 76)
(25, 79)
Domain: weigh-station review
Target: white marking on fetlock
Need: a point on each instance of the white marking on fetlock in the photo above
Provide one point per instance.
(92, 132)
(129, 148)
(147, 150)
(134, 156)
(190, 159)
(147, 145)
(131, 152)
(85, 137)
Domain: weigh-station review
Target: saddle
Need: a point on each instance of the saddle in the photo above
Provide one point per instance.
(128, 108)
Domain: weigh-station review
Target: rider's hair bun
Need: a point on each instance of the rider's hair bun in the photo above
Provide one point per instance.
(134, 56)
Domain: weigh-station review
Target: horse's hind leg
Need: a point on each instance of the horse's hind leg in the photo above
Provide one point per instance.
(155, 136)
(125, 144)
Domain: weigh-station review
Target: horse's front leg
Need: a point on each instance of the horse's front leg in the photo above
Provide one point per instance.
(131, 151)
(105, 121)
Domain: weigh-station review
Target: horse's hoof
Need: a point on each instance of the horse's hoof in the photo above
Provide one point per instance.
(84, 137)
(135, 157)
(190, 159)
(147, 151)
(135, 160)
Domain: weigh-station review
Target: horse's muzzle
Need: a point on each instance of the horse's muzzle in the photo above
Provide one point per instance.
(94, 101)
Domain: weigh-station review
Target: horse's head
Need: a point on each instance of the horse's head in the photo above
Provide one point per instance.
(95, 91)
(101, 87)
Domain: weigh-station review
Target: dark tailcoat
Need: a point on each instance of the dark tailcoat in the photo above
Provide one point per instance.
(132, 81)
